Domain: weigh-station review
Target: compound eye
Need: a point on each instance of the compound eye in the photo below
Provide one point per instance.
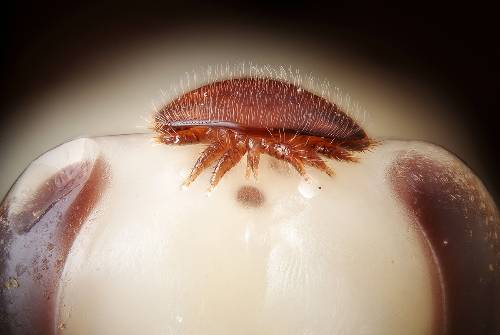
(257, 116)
(39, 219)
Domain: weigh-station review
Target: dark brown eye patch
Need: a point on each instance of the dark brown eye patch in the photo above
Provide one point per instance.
(257, 115)
(35, 240)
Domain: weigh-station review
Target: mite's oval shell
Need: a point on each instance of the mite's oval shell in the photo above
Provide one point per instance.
(256, 103)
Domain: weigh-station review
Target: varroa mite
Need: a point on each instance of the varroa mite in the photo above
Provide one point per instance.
(252, 116)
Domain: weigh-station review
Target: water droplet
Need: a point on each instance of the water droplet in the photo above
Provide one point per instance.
(308, 189)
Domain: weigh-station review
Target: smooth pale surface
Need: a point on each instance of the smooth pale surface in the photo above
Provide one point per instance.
(158, 259)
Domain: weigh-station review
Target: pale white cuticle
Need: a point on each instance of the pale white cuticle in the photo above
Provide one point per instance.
(160, 260)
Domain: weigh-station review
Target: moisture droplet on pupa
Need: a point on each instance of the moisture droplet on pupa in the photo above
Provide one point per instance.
(308, 189)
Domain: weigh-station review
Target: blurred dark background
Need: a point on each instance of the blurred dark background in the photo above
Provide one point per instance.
(454, 47)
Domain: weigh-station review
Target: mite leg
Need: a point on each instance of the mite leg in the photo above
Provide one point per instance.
(311, 158)
(210, 154)
(281, 151)
(229, 159)
(253, 157)
(179, 137)
(334, 151)
(299, 166)
(359, 145)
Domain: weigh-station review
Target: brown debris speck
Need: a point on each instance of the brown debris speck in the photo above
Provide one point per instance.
(250, 196)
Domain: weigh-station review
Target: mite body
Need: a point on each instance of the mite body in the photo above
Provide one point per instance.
(254, 116)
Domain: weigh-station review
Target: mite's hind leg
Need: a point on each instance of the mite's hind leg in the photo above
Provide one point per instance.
(309, 157)
(229, 159)
(359, 145)
(334, 151)
(344, 151)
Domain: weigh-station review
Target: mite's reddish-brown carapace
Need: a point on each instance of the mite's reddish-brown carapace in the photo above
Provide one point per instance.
(255, 116)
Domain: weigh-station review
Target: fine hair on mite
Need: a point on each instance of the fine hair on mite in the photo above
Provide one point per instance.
(254, 110)
(204, 75)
